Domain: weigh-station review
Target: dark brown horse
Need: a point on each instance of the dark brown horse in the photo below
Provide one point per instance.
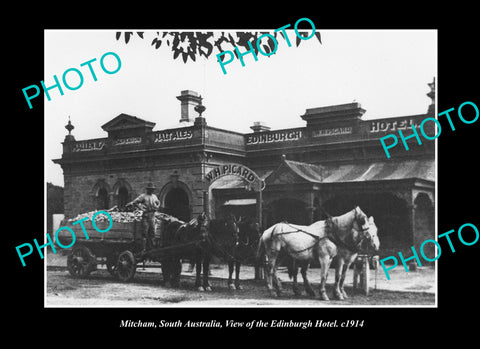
(244, 249)
(184, 240)
(218, 237)
(225, 241)
(232, 240)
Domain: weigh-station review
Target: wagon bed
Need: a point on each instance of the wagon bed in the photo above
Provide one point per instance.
(120, 248)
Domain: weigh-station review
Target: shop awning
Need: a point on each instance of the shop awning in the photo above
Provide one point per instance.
(240, 202)
(381, 171)
(360, 172)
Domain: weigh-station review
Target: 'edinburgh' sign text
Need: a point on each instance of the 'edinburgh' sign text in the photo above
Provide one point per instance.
(274, 137)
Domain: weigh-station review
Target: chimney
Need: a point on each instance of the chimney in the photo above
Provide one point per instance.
(189, 100)
(259, 126)
(332, 115)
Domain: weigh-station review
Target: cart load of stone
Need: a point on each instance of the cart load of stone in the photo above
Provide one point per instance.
(124, 216)
(126, 224)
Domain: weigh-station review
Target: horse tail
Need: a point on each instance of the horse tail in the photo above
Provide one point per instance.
(264, 238)
(260, 251)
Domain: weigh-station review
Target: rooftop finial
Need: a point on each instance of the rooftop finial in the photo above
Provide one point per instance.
(69, 126)
(200, 108)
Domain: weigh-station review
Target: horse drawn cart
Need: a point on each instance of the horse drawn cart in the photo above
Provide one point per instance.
(120, 248)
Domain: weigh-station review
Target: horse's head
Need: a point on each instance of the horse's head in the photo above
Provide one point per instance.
(373, 230)
(249, 230)
(202, 225)
(367, 228)
(231, 224)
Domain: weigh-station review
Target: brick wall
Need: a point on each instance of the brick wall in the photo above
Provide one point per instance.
(80, 190)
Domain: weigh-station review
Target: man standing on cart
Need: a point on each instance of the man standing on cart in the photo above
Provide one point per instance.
(149, 203)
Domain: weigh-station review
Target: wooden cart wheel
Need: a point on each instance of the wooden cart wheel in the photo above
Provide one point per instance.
(126, 265)
(81, 261)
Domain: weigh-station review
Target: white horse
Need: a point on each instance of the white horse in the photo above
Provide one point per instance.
(320, 241)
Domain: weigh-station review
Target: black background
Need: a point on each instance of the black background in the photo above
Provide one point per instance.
(457, 174)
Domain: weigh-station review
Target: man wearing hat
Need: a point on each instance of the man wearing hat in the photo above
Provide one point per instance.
(149, 203)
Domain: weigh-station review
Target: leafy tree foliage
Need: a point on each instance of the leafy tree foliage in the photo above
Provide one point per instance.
(190, 45)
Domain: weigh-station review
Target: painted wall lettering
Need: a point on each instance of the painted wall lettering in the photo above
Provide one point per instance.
(126, 141)
(231, 169)
(168, 136)
(274, 137)
(88, 146)
(332, 131)
(472, 109)
(385, 125)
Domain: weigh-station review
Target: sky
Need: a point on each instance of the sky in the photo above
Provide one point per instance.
(386, 71)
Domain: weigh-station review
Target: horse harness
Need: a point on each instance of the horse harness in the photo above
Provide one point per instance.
(317, 239)
(223, 251)
(332, 235)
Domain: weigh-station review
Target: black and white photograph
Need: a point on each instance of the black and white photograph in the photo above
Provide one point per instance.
(189, 169)
(176, 178)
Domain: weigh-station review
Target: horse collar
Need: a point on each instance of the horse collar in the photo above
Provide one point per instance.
(337, 241)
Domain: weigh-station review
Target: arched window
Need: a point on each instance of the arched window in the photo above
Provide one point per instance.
(123, 197)
(102, 199)
(122, 192)
(177, 204)
(101, 195)
(175, 199)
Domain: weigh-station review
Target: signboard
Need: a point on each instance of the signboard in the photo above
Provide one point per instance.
(241, 171)
(126, 141)
(92, 145)
(332, 131)
(387, 126)
(174, 135)
(253, 180)
(274, 137)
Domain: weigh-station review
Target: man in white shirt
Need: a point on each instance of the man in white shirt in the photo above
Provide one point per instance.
(149, 203)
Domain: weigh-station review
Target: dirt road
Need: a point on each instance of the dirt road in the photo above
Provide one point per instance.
(100, 289)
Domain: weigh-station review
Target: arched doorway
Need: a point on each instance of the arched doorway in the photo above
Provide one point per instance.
(177, 204)
(391, 216)
(424, 222)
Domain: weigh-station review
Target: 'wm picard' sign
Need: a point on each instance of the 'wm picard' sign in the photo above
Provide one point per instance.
(231, 169)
